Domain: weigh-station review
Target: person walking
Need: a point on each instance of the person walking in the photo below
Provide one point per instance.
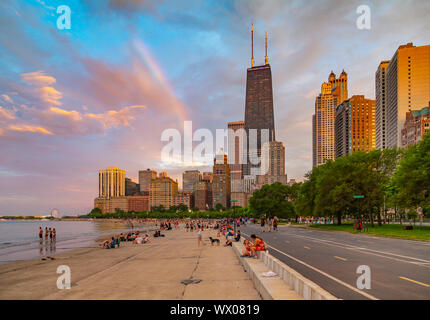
(199, 237)
(262, 223)
(269, 224)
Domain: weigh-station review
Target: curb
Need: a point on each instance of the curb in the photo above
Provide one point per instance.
(280, 287)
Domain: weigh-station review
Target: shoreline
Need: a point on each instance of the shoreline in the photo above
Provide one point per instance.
(18, 251)
(156, 270)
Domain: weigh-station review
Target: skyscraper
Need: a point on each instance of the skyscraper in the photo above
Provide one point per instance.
(236, 141)
(355, 126)
(272, 164)
(221, 181)
(381, 106)
(407, 87)
(333, 93)
(189, 178)
(111, 183)
(259, 117)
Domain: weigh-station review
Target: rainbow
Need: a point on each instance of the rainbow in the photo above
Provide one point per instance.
(157, 72)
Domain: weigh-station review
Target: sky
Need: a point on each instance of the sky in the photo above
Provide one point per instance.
(101, 93)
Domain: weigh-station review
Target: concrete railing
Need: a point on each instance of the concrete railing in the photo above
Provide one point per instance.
(304, 287)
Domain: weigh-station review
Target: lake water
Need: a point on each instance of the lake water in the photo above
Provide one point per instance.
(19, 240)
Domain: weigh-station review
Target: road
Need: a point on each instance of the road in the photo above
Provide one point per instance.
(400, 269)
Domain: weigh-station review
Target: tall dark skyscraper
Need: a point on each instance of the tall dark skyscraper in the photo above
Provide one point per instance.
(258, 110)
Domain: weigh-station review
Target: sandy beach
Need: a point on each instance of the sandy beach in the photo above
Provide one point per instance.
(147, 271)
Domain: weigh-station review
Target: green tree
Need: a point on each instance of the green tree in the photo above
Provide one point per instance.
(412, 178)
(272, 200)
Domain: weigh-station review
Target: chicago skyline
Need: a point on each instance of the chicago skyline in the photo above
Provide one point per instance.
(84, 103)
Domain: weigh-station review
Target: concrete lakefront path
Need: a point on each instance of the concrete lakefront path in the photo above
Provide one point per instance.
(147, 271)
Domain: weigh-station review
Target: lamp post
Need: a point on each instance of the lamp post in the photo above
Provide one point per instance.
(234, 214)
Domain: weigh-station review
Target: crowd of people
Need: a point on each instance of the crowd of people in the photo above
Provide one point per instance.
(272, 223)
(224, 228)
(50, 233)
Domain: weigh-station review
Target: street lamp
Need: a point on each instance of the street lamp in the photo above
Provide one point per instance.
(234, 214)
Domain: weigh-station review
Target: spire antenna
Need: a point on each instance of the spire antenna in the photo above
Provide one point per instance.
(266, 58)
(252, 45)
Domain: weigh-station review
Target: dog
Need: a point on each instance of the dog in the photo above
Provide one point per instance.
(214, 240)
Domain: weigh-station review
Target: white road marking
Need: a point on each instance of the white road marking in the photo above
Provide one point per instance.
(368, 251)
(327, 275)
(369, 296)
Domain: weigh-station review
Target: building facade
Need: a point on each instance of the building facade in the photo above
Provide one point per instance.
(145, 177)
(221, 181)
(162, 190)
(240, 199)
(207, 176)
(203, 195)
(417, 125)
(355, 126)
(333, 93)
(189, 178)
(407, 88)
(138, 203)
(111, 183)
(381, 106)
(236, 154)
(131, 187)
(185, 198)
(272, 164)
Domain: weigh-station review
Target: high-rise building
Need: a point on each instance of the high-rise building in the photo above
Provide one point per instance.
(236, 141)
(111, 183)
(259, 117)
(236, 154)
(416, 126)
(145, 177)
(203, 195)
(131, 187)
(355, 126)
(407, 80)
(207, 176)
(162, 190)
(272, 164)
(333, 93)
(189, 178)
(221, 181)
(381, 106)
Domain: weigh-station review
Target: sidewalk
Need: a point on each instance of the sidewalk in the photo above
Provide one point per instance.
(147, 271)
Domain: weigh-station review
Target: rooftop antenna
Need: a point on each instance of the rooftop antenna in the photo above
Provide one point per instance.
(252, 45)
(266, 58)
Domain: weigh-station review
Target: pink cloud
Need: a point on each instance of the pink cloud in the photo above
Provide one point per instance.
(38, 79)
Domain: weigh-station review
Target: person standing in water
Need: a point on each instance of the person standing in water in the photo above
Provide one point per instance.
(54, 235)
(40, 234)
(46, 233)
(50, 234)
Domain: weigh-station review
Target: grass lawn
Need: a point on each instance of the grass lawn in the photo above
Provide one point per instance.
(386, 230)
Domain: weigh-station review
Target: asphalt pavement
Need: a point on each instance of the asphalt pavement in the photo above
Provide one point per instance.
(399, 269)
